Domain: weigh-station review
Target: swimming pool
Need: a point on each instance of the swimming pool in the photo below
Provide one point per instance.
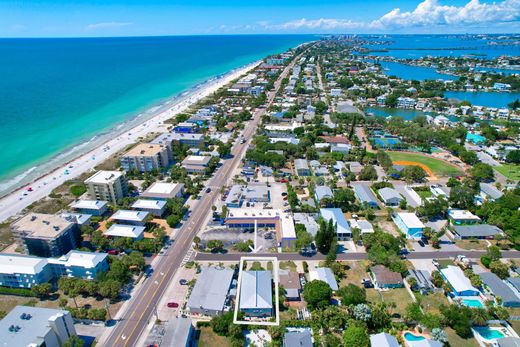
(472, 303)
(475, 138)
(489, 333)
(411, 337)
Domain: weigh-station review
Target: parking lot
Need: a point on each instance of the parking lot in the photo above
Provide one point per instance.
(231, 236)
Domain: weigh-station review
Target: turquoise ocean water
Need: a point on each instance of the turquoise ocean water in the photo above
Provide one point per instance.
(60, 93)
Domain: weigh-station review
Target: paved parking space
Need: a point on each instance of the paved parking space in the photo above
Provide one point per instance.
(231, 236)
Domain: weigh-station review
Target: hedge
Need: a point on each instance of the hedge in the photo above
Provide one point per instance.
(17, 291)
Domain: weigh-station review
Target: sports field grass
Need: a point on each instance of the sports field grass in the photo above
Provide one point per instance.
(511, 171)
(438, 167)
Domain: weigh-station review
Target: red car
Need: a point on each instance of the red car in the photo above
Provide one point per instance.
(283, 180)
(113, 252)
(172, 305)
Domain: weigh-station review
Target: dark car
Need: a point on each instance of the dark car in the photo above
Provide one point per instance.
(420, 243)
(183, 282)
(172, 305)
(208, 190)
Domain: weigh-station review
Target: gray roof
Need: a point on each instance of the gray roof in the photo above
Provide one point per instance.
(297, 339)
(423, 278)
(256, 290)
(477, 230)
(499, 288)
(326, 275)
(364, 194)
(510, 341)
(31, 330)
(389, 193)
(491, 191)
(323, 192)
(211, 289)
(425, 343)
(383, 340)
(515, 282)
(301, 164)
(178, 331)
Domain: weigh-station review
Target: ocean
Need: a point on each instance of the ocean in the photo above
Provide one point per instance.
(58, 94)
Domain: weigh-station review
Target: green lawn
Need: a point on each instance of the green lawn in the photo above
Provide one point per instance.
(457, 341)
(398, 296)
(424, 194)
(432, 301)
(438, 167)
(511, 171)
(208, 338)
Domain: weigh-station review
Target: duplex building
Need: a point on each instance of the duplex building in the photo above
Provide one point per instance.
(196, 163)
(122, 230)
(36, 327)
(130, 217)
(146, 157)
(91, 207)
(256, 295)
(107, 185)
(46, 235)
(154, 207)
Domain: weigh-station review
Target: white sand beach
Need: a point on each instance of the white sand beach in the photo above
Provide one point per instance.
(13, 203)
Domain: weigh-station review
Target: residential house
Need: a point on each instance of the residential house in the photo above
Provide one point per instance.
(390, 196)
(154, 207)
(91, 207)
(196, 163)
(298, 338)
(409, 224)
(384, 278)
(164, 191)
(129, 217)
(365, 196)
(326, 275)
(476, 231)
(499, 289)
(122, 230)
(458, 282)
(290, 281)
(256, 295)
(383, 340)
(343, 230)
(302, 167)
(323, 192)
(462, 217)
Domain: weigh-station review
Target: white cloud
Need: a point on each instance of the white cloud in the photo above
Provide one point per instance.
(429, 13)
(107, 25)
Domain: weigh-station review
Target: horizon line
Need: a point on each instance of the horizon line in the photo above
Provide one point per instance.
(252, 34)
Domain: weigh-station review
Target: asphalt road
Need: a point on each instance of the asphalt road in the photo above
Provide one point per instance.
(350, 256)
(141, 309)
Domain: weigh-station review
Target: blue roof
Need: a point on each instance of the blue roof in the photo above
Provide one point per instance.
(364, 194)
(338, 218)
(323, 192)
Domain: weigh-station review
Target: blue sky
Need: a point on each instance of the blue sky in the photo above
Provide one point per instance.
(71, 18)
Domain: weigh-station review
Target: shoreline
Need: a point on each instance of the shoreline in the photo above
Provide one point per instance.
(110, 142)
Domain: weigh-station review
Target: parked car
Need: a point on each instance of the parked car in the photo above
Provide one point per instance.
(420, 243)
(113, 252)
(172, 305)
(208, 190)
(183, 282)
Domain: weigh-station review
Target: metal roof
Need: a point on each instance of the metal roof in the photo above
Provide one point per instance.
(383, 340)
(256, 290)
(211, 289)
(477, 230)
(338, 219)
(499, 288)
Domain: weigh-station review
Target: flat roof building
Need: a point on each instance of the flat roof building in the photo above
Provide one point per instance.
(146, 157)
(238, 194)
(282, 222)
(196, 163)
(36, 327)
(130, 217)
(459, 217)
(154, 207)
(107, 185)
(121, 230)
(46, 235)
(211, 291)
(164, 190)
(92, 207)
(256, 294)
